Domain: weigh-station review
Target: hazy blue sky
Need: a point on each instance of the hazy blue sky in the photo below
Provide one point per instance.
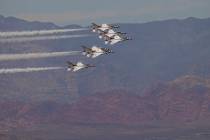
(83, 12)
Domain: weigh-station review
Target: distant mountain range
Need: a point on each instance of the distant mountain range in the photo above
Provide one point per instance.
(15, 24)
(12, 23)
(160, 51)
(161, 75)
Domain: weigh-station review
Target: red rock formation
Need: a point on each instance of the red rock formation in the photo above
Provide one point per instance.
(185, 99)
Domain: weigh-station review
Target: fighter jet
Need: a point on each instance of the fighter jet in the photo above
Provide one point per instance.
(102, 27)
(95, 51)
(115, 39)
(79, 65)
(109, 33)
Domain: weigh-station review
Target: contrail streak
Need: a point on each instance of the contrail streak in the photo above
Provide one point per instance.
(7, 57)
(38, 32)
(29, 69)
(26, 39)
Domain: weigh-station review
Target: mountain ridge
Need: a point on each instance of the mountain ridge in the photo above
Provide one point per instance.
(11, 23)
(12, 18)
(159, 52)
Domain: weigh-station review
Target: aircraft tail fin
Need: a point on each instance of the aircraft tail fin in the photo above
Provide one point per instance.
(84, 47)
(69, 63)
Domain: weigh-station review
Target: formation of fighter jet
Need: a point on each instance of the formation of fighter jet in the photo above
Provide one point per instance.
(77, 66)
(95, 51)
(109, 35)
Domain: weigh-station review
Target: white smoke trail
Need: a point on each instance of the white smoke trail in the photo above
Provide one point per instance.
(7, 57)
(38, 32)
(29, 69)
(26, 39)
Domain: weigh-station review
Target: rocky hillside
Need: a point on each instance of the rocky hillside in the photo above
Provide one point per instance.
(186, 99)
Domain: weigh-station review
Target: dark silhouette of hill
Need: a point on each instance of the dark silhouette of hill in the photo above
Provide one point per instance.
(15, 24)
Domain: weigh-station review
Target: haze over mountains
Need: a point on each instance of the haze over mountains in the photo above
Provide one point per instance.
(181, 49)
(161, 75)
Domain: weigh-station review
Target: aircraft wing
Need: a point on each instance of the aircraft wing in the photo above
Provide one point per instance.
(69, 69)
(114, 41)
(76, 68)
(96, 55)
(111, 31)
(94, 25)
(70, 64)
(86, 49)
(96, 49)
(80, 64)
